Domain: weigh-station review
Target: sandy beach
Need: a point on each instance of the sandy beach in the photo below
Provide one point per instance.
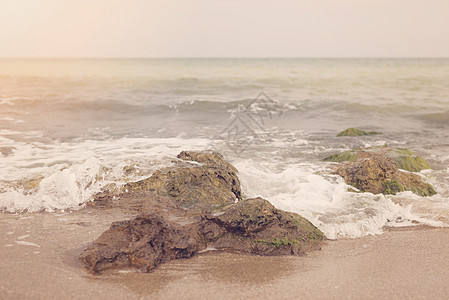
(39, 254)
(241, 149)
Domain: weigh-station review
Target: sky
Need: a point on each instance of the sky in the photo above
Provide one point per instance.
(224, 28)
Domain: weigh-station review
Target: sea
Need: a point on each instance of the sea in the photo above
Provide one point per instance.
(70, 127)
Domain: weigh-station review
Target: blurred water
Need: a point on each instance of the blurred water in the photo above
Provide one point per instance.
(70, 126)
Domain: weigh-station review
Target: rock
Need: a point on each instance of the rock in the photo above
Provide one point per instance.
(188, 207)
(357, 132)
(379, 174)
(256, 226)
(212, 181)
(144, 242)
(251, 226)
(136, 202)
(407, 160)
(404, 158)
(207, 158)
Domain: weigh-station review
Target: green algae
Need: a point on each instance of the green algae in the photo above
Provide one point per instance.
(278, 242)
(350, 155)
(316, 235)
(407, 160)
(392, 187)
(429, 191)
(357, 132)
(404, 158)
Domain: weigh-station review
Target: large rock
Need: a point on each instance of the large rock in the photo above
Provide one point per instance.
(377, 174)
(211, 181)
(144, 242)
(404, 158)
(251, 226)
(188, 207)
(207, 158)
(256, 226)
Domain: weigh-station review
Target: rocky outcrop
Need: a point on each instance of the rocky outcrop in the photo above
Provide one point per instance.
(403, 158)
(357, 132)
(209, 181)
(376, 173)
(251, 226)
(187, 208)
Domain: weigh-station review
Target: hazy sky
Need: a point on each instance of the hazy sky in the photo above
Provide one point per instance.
(224, 28)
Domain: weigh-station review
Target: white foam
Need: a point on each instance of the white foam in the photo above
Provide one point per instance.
(25, 243)
(208, 249)
(325, 201)
(73, 172)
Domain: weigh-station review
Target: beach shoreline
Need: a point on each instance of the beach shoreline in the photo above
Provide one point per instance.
(40, 252)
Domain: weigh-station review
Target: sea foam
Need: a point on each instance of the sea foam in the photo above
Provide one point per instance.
(305, 188)
(65, 175)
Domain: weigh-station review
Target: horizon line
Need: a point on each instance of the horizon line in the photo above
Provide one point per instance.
(224, 57)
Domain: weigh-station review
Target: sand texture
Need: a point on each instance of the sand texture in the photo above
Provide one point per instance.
(39, 254)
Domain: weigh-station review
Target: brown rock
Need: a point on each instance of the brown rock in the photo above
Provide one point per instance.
(207, 158)
(252, 226)
(377, 174)
(211, 182)
(166, 230)
(144, 242)
(404, 158)
(256, 226)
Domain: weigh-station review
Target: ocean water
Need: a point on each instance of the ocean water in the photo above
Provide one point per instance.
(68, 127)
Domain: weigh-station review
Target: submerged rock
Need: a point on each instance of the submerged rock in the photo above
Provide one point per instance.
(377, 174)
(171, 224)
(404, 158)
(211, 181)
(251, 226)
(357, 132)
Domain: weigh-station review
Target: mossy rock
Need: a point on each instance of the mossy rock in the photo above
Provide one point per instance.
(392, 187)
(404, 158)
(256, 226)
(279, 242)
(350, 155)
(357, 132)
(212, 181)
(426, 191)
(407, 160)
(380, 174)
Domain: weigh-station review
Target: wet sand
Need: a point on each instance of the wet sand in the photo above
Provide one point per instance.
(39, 253)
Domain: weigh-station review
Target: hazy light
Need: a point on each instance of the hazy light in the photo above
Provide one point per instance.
(224, 28)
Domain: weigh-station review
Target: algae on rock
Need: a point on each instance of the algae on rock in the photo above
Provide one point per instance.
(211, 182)
(379, 174)
(357, 132)
(392, 187)
(350, 155)
(404, 158)
(260, 226)
(407, 160)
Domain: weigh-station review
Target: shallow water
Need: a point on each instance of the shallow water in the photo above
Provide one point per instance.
(68, 127)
